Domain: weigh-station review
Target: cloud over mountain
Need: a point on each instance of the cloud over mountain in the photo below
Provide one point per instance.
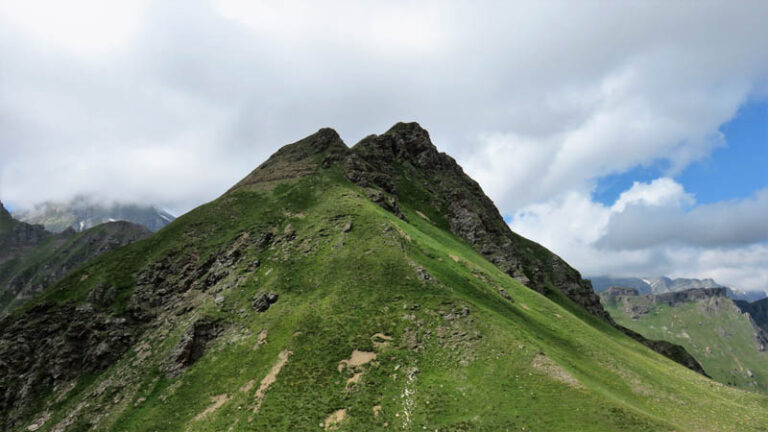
(176, 100)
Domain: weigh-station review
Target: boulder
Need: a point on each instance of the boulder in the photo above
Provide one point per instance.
(263, 301)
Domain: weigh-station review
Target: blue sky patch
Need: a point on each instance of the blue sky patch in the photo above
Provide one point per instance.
(734, 171)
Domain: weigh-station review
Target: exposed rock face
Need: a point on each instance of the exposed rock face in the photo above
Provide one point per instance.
(669, 350)
(620, 291)
(263, 301)
(613, 295)
(7, 222)
(49, 345)
(192, 345)
(406, 151)
(505, 294)
(758, 313)
(673, 298)
(757, 310)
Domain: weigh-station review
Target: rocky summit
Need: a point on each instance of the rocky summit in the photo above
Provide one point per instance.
(345, 289)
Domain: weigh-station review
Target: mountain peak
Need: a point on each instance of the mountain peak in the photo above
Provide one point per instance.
(410, 132)
(4, 213)
(403, 142)
(294, 160)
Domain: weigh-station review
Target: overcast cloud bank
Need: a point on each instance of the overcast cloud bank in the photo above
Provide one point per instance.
(170, 103)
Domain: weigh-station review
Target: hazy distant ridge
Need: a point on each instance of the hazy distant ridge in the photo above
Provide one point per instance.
(82, 213)
(663, 284)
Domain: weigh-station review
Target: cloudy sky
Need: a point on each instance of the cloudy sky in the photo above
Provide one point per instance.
(629, 137)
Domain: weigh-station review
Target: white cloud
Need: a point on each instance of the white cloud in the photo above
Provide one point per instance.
(661, 192)
(728, 223)
(172, 102)
(82, 27)
(651, 230)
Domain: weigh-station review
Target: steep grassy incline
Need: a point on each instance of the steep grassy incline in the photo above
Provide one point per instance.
(305, 306)
(727, 343)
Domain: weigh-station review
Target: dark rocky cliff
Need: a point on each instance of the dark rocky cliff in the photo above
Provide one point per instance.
(757, 310)
(694, 294)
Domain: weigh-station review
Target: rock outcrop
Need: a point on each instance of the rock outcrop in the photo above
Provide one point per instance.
(192, 345)
(757, 310)
(694, 294)
(406, 152)
(49, 345)
(669, 350)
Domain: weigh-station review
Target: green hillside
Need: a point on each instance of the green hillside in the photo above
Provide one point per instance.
(28, 267)
(725, 341)
(301, 300)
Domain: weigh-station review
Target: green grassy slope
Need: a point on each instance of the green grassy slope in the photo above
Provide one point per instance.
(461, 357)
(714, 330)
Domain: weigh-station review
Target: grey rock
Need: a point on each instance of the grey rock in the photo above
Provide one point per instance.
(192, 345)
(263, 301)
(505, 294)
(50, 345)
(423, 274)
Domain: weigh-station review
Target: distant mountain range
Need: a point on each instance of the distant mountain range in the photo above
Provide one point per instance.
(663, 284)
(31, 258)
(83, 212)
(728, 337)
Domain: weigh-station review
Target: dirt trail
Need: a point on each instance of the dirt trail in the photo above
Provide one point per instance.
(216, 403)
(358, 358)
(545, 364)
(333, 420)
(271, 378)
